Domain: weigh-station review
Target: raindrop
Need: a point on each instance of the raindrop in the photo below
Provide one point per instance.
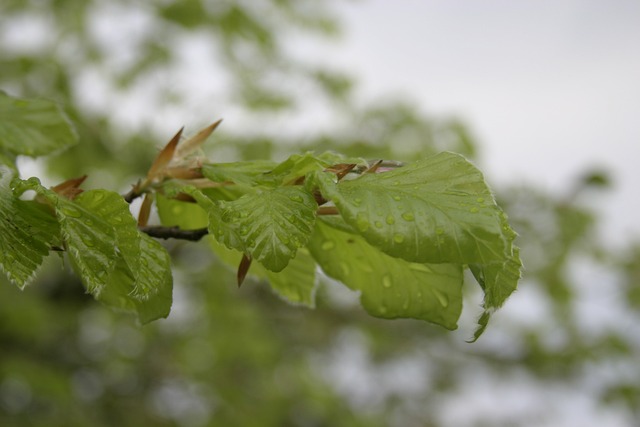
(480, 200)
(345, 268)
(362, 223)
(72, 212)
(390, 219)
(398, 238)
(408, 216)
(327, 245)
(397, 198)
(88, 241)
(419, 267)
(442, 298)
(378, 224)
(386, 281)
(439, 230)
(474, 210)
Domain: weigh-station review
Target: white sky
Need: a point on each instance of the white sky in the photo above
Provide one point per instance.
(549, 87)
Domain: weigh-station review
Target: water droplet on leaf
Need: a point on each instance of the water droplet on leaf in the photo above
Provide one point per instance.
(362, 223)
(327, 245)
(72, 212)
(408, 216)
(387, 281)
(442, 298)
(390, 220)
(398, 238)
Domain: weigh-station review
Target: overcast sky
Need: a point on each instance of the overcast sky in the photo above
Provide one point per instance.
(550, 88)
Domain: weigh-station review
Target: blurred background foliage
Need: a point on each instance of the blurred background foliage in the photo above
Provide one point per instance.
(131, 73)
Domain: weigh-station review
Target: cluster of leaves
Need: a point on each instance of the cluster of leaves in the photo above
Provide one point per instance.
(401, 235)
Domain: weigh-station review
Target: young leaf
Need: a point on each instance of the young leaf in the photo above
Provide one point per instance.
(247, 173)
(390, 287)
(193, 143)
(164, 157)
(436, 210)
(33, 127)
(27, 233)
(269, 226)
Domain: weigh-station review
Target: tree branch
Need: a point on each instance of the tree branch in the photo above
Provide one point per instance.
(174, 233)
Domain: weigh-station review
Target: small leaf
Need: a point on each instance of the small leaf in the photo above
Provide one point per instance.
(269, 226)
(436, 210)
(248, 173)
(70, 189)
(390, 287)
(164, 157)
(145, 210)
(194, 143)
(33, 127)
(243, 268)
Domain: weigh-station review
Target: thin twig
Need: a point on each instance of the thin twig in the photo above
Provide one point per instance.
(174, 233)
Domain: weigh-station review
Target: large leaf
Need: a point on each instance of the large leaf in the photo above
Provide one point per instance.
(390, 287)
(27, 232)
(436, 210)
(269, 225)
(33, 127)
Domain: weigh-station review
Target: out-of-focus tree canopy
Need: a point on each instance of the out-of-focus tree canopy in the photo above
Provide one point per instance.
(567, 342)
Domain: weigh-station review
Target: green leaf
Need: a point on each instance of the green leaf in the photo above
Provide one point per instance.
(248, 173)
(269, 225)
(296, 283)
(8, 159)
(33, 127)
(141, 281)
(27, 233)
(91, 243)
(390, 287)
(149, 295)
(498, 280)
(436, 210)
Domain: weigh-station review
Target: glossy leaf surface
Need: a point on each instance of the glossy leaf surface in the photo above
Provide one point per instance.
(390, 287)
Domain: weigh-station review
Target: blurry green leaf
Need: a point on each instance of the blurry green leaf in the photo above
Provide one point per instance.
(187, 216)
(435, 210)
(8, 159)
(26, 234)
(296, 283)
(33, 127)
(390, 287)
